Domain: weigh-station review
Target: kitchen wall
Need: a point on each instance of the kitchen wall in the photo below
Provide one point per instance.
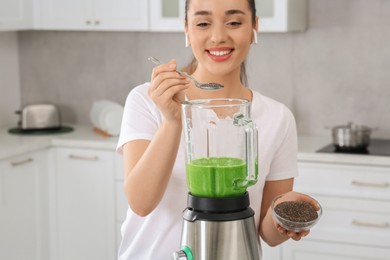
(337, 71)
(9, 78)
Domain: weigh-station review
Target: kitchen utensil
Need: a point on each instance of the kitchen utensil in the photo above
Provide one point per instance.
(205, 86)
(39, 116)
(106, 116)
(351, 136)
(295, 226)
(221, 162)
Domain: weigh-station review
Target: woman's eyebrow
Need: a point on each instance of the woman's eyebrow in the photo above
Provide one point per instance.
(227, 12)
(234, 11)
(202, 12)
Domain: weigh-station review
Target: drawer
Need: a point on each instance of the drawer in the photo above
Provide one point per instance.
(361, 222)
(316, 250)
(365, 182)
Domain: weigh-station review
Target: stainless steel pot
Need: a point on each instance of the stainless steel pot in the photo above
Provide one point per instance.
(351, 136)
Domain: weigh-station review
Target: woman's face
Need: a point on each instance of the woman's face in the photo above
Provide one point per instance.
(220, 33)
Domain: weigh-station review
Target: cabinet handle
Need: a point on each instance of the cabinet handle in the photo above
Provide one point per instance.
(370, 184)
(97, 22)
(18, 163)
(88, 22)
(85, 158)
(370, 224)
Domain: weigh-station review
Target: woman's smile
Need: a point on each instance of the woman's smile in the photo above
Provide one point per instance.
(220, 54)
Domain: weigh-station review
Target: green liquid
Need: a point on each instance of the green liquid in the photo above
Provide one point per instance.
(215, 177)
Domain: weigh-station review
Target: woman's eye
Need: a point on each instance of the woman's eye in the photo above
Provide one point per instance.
(203, 24)
(234, 23)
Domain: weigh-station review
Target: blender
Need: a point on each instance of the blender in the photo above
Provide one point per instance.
(221, 163)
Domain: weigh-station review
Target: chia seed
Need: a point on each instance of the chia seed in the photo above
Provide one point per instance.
(296, 211)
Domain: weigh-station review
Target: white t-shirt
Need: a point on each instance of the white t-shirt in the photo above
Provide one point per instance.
(157, 235)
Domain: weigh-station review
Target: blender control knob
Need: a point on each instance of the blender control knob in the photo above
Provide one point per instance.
(179, 255)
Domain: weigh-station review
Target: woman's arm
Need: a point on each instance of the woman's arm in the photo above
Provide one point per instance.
(148, 164)
(268, 229)
(272, 233)
(148, 167)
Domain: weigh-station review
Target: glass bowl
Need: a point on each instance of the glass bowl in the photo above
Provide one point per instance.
(294, 226)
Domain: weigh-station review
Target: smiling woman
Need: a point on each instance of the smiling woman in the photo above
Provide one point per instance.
(237, 21)
(220, 34)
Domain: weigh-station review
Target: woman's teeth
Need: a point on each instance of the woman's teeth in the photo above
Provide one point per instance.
(220, 53)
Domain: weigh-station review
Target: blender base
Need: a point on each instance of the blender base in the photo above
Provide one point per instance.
(225, 240)
(219, 229)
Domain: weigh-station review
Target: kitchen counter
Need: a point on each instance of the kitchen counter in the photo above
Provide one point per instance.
(308, 145)
(83, 136)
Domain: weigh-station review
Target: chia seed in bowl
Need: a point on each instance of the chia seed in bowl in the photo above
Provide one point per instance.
(295, 215)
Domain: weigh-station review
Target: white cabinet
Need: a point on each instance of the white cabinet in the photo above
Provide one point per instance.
(121, 204)
(23, 206)
(167, 15)
(82, 192)
(93, 15)
(282, 15)
(309, 250)
(356, 213)
(16, 14)
(274, 15)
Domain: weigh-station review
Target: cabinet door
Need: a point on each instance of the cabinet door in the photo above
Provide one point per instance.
(167, 15)
(121, 15)
(120, 199)
(309, 250)
(21, 207)
(16, 14)
(270, 253)
(282, 15)
(69, 14)
(83, 205)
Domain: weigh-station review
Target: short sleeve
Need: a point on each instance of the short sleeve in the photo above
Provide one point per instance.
(141, 117)
(284, 163)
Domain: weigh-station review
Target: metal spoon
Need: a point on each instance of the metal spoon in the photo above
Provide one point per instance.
(205, 86)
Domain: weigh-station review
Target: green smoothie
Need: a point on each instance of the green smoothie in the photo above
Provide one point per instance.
(214, 177)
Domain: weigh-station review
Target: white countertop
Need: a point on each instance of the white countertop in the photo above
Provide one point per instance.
(308, 145)
(81, 137)
(85, 137)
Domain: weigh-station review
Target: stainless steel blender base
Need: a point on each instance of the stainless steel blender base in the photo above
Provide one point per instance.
(221, 240)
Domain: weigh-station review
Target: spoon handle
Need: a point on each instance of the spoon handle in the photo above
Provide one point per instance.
(157, 62)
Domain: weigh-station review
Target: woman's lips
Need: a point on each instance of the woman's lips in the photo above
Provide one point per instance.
(220, 54)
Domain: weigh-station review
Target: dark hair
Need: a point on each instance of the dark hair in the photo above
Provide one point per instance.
(190, 68)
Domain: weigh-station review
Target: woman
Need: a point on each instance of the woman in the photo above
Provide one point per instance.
(220, 33)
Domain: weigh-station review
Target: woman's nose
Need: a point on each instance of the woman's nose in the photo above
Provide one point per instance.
(218, 34)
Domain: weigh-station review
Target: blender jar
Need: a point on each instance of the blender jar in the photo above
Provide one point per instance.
(221, 147)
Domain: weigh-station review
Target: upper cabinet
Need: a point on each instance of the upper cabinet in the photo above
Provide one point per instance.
(274, 15)
(16, 15)
(167, 15)
(134, 15)
(282, 15)
(129, 15)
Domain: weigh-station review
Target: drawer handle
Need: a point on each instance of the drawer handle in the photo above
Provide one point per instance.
(370, 224)
(85, 158)
(370, 184)
(18, 163)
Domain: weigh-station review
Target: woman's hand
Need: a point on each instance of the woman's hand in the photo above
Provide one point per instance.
(167, 90)
(295, 196)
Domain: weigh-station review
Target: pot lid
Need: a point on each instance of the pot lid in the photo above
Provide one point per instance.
(352, 127)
